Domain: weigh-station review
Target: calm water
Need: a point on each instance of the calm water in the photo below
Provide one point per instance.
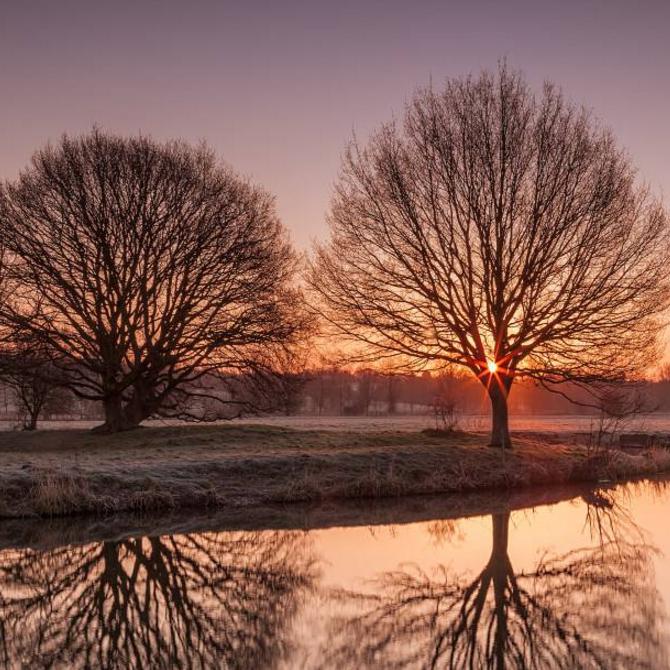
(558, 579)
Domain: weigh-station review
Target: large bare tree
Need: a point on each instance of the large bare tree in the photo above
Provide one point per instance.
(146, 267)
(497, 230)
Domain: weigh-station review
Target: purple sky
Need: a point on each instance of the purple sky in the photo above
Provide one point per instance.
(276, 88)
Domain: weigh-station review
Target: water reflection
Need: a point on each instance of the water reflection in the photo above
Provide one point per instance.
(208, 600)
(289, 598)
(595, 607)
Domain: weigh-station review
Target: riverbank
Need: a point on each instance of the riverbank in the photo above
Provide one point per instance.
(52, 473)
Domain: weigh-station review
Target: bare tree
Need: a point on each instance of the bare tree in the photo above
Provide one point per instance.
(144, 266)
(444, 404)
(499, 231)
(291, 389)
(618, 406)
(33, 375)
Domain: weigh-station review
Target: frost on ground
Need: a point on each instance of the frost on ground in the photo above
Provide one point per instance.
(235, 465)
(551, 423)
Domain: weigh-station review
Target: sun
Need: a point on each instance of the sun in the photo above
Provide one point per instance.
(492, 366)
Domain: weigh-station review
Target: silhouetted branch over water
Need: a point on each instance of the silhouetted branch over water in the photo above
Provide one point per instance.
(588, 608)
(210, 600)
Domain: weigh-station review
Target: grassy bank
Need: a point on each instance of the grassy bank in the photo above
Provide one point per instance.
(63, 472)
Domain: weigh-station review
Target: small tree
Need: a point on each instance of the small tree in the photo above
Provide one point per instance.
(144, 266)
(617, 407)
(499, 231)
(291, 387)
(444, 405)
(35, 380)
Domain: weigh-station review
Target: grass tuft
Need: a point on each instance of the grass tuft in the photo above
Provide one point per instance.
(56, 494)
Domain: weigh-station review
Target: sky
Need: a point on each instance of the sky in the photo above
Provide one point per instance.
(278, 88)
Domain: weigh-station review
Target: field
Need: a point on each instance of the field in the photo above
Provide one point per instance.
(547, 423)
(236, 465)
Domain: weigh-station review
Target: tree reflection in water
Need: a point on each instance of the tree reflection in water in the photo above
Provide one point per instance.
(594, 607)
(210, 600)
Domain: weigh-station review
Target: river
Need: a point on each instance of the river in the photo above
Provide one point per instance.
(565, 578)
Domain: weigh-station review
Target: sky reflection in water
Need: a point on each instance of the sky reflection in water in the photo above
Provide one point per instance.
(581, 583)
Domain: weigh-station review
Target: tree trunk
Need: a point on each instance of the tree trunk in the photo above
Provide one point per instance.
(113, 416)
(32, 403)
(143, 403)
(30, 422)
(501, 570)
(498, 393)
(119, 416)
(500, 524)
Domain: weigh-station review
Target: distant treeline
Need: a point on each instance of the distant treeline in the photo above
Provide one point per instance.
(337, 392)
(368, 392)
